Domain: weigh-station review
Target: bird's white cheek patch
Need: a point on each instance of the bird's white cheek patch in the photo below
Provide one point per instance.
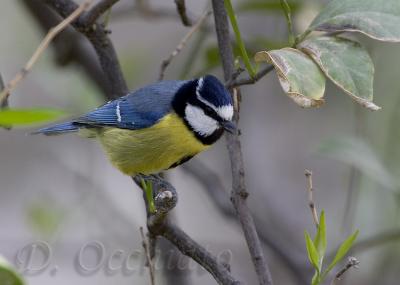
(225, 112)
(200, 122)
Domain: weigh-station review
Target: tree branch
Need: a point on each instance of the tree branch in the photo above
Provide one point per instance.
(239, 192)
(104, 48)
(69, 46)
(97, 11)
(192, 249)
(181, 8)
(232, 83)
(166, 198)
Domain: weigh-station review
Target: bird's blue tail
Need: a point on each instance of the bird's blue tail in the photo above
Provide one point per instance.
(58, 129)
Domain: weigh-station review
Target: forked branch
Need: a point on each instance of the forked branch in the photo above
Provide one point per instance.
(239, 191)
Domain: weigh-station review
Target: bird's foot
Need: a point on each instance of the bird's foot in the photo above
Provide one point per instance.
(160, 194)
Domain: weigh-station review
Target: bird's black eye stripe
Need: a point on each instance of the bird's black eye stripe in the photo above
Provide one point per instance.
(209, 111)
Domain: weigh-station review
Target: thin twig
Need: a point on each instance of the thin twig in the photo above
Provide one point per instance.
(98, 10)
(232, 83)
(351, 263)
(182, 44)
(4, 103)
(148, 257)
(181, 8)
(311, 203)
(41, 48)
(239, 192)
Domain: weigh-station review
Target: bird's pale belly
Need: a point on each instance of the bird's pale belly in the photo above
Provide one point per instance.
(150, 150)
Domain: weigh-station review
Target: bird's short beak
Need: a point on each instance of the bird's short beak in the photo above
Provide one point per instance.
(228, 126)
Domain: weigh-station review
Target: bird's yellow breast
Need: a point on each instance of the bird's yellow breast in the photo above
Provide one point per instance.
(150, 150)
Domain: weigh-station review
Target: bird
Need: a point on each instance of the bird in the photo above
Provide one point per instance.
(158, 126)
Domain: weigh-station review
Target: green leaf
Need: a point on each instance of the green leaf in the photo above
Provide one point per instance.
(357, 152)
(312, 252)
(148, 190)
(378, 19)
(235, 27)
(320, 238)
(315, 279)
(341, 252)
(300, 77)
(347, 64)
(22, 117)
(8, 276)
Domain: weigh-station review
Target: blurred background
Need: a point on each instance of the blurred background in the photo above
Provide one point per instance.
(64, 194)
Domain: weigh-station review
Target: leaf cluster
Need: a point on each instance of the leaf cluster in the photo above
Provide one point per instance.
(303, 67)
(316, 249)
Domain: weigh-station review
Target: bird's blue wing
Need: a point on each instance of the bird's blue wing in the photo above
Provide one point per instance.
(140, 109)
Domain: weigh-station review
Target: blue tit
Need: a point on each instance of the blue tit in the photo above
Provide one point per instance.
(159, 126)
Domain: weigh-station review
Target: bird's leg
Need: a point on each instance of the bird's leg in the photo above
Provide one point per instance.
(160, 195)
(155, 178)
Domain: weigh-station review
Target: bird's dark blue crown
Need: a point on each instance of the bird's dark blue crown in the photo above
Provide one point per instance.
(208, 87)
(213, 91)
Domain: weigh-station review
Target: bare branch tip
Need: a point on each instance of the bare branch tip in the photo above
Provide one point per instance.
(148, 257)
(352, 262)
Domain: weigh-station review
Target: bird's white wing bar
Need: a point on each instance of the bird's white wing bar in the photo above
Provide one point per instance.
(118, 113)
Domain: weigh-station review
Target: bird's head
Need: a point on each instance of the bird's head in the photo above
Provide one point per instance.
(206, 107)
